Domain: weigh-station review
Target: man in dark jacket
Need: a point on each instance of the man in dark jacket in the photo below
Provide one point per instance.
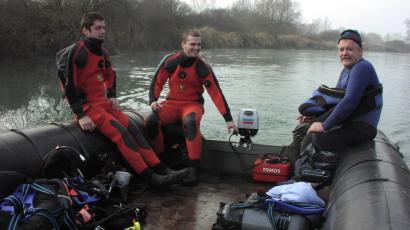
(355, 117)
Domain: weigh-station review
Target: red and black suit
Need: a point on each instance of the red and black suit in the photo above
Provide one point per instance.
(187, 77)
(89, 85)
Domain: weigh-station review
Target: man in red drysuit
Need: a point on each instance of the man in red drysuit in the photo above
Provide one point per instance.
(90, 89)
(187, 75)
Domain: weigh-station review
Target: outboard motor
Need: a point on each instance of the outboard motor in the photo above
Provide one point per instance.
(269, 167)
(248, 125)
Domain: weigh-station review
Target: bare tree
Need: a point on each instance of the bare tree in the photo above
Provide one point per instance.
(42, 27)
(201, 5)
(281, 15)
(326, 24)
(372, 39)
(243, 5)
(250, 20)
(160, 21)
(310, 29)
(393, 37)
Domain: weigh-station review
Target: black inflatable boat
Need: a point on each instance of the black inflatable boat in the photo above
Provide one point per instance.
(370, 189)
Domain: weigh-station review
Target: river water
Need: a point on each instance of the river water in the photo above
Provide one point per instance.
(274, 82)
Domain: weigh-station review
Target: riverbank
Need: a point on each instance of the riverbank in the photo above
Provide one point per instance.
(30, 28)
(262, 40)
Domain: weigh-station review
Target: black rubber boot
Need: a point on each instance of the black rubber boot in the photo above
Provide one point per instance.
(162, 169)
(160, 181)
(192, 178)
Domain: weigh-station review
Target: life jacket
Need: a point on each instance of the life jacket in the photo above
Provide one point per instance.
(43, 204)
(325, 98)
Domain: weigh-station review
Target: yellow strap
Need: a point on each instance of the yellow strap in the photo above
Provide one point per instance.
(136, 226)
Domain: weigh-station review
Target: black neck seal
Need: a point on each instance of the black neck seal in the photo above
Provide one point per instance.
(94, 45)
(186, 61)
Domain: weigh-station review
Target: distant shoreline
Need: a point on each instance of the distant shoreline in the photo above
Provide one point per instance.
(32, 28)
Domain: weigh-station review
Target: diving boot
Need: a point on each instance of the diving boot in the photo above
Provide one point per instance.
(162, 169)
(192, 178)
(160, 181)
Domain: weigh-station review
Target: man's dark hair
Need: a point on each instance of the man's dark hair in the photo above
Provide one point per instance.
(89, 18)
(192, 33)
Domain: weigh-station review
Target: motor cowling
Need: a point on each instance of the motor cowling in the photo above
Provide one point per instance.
(248, 124)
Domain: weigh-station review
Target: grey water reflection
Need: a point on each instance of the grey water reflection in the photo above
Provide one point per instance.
(39, 109)
(274, 82)
(29, 94)
(135, 93)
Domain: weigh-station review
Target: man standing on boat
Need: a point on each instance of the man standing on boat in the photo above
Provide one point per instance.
(89, 84)
(355, 117)
(187, 75)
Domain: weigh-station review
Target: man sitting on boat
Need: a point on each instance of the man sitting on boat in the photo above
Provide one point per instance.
(354, 114)
(89, 85)
(187, 75)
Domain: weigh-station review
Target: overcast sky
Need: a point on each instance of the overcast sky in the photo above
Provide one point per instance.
(379, 16)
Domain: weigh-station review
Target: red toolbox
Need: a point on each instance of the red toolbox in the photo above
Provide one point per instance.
(271, 168)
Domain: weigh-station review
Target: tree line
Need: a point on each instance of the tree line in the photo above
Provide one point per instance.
(42, 27)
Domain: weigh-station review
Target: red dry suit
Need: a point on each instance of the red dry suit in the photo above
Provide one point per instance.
(186, 78)
(89, 85)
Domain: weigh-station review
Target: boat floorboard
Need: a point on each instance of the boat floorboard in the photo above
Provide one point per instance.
(191, 208)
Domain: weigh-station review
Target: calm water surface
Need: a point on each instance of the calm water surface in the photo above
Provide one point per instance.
(274, 82)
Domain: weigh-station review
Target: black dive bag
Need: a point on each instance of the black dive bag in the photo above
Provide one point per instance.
(315, 166)
(231, 218)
